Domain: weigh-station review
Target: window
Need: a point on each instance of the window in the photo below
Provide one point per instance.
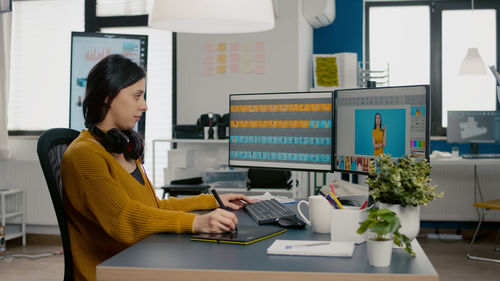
(463, 29)
(40, 62)
(398, 32)
(404, 46)
(40, 68)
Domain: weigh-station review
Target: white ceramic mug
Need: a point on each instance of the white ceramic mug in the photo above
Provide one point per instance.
(319, 212)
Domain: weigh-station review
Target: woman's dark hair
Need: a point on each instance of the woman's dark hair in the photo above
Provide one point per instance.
(375, 122)
(106, 79)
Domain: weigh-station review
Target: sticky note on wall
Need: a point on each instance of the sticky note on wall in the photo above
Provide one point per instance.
(221, 47)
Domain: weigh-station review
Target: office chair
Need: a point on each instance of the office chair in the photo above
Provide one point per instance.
(51, 146)
(485, 206)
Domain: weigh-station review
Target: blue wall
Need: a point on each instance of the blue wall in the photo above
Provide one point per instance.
(345, 34)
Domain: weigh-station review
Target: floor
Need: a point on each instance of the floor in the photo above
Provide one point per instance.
(448, 257)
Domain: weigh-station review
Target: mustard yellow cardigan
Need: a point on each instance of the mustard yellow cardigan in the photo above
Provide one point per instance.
(109, 210)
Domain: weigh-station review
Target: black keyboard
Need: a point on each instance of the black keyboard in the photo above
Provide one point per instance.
(268, 211)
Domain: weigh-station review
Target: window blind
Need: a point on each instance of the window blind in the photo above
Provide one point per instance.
(40, 62)
(106, 8)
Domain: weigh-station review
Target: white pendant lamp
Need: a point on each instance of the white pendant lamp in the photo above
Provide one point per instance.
(472, 64)
(212, 16)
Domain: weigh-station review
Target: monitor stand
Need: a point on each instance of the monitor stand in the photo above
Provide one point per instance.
(474, 148)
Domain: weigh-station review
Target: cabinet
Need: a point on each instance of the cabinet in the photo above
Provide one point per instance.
(213, 153)
(13, 213)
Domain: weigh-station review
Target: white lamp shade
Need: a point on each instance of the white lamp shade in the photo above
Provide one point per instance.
(212, 16)
(472, 64)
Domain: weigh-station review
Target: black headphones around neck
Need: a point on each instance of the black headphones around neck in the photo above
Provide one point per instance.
(114, 140)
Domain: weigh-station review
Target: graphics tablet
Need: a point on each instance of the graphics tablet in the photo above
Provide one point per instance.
(246, 234)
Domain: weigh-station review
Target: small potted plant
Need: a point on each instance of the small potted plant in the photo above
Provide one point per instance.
(402, 186)
(384, 225)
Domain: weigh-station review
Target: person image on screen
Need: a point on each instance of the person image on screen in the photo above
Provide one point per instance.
(379, 134)
(109, 201)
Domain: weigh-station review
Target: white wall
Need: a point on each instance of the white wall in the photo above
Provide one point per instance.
(287, 66)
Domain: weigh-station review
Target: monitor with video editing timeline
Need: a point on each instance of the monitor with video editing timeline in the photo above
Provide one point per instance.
(290, 130)
(372, 121)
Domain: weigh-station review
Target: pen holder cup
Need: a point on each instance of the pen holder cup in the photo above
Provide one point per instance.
(345, 223)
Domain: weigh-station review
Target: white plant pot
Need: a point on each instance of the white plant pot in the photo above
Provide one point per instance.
(379, 252)
(408, 216)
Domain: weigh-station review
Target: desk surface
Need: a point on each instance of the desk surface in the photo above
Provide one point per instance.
(176, 257)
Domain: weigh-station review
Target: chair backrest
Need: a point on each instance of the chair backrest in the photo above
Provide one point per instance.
(51, 146)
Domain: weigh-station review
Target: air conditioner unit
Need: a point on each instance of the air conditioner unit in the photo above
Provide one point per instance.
(318, 13)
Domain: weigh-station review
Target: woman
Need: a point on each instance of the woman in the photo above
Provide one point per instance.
(379, 133)
(109, 201)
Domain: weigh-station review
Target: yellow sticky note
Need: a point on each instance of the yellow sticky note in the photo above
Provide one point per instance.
(221, 69)
(247, 46)
(221, 58)
(246, 57)
(221, 47)
(246, 67)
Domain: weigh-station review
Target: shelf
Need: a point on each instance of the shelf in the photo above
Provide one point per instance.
(13, 229)
(13, 235)
(15, 214)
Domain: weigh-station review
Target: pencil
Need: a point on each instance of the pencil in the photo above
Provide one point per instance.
(336, 201)
(364, 205)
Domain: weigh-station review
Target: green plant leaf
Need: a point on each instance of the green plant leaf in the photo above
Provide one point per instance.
(384, 222)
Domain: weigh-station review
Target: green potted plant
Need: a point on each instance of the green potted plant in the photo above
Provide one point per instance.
(402, 186)
(384, 225)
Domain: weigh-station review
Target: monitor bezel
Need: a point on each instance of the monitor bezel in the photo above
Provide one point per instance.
(427, 121)
(141, 126)
(279, 168)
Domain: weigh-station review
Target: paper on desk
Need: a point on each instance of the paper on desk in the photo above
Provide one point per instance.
(267, 196)
(299, 248)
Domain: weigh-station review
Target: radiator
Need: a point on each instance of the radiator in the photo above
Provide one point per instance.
(28, 176)
(456, 179)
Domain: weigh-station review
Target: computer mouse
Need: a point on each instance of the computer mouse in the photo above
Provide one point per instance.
(291, 223)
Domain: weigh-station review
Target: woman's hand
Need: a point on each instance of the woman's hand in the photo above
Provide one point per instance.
(234, 201)
(217, 221)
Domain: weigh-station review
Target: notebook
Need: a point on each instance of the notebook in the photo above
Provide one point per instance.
(311, 248)
(246, 234)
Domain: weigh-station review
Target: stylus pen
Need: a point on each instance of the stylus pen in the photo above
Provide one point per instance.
(306, 245)
(221, 205)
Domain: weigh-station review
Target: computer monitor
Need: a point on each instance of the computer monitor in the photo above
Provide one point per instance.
(290, 131)
(87, 49)
(372, 121)
(471, 126)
